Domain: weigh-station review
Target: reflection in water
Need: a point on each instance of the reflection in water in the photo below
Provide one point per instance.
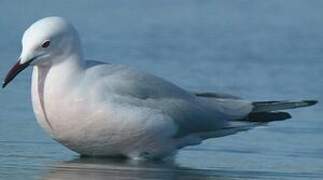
(92, 168)
(97, 169)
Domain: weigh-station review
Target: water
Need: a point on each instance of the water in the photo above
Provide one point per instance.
(260, 50)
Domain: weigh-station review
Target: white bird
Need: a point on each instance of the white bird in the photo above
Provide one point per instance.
(100, 109)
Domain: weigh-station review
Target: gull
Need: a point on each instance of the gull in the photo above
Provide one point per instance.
(100, 109)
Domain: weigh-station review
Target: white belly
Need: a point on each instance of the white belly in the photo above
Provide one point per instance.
(101, 129)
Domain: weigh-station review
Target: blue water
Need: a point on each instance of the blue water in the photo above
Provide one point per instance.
(260, 50)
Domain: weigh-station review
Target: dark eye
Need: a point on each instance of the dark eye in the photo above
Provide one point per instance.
(45, 44)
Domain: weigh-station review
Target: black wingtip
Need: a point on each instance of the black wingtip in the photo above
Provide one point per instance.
(4, 85)
(265, 117)
(311, 102)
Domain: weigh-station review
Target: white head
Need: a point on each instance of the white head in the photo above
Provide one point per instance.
(46, 42)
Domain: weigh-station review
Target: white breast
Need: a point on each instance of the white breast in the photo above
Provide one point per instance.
(37, 100)
(97, 128)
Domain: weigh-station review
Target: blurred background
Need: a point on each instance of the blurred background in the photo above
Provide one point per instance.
(257, 49)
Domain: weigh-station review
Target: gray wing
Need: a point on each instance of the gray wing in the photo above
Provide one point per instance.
(139, 89)
(191, 112)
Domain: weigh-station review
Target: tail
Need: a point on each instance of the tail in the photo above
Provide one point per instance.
(247, 115)
(259, 111)
(267, 111)
(264, 112)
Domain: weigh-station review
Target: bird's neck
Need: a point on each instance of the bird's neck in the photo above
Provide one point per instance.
(62, 75)
(51, 84)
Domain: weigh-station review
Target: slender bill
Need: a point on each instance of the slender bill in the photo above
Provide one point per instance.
(14, 71)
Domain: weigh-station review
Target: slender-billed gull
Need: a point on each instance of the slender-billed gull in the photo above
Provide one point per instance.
(100, 109)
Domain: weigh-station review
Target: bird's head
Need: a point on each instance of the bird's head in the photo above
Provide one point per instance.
(46, 42)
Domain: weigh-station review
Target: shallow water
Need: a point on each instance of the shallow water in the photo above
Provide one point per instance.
(260, 50)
